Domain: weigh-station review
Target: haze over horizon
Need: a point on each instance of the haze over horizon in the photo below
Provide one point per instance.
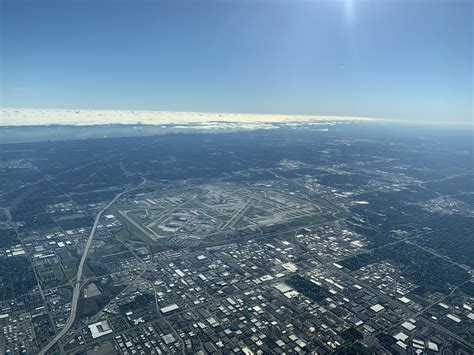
(403, 60)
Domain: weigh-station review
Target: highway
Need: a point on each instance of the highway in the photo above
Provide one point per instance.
(77, 286)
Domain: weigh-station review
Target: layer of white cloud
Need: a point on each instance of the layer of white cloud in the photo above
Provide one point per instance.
(35, 117)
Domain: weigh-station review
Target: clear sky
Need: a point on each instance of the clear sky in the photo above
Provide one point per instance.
(382, 58)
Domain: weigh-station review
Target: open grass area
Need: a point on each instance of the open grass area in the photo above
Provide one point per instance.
(133, 234)
(109, 248)
(70, 269)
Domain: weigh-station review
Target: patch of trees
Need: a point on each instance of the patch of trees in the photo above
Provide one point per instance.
(140, 302)
(94, 197)
(351, 335)
(308, 288)
(16, 277)
(74, 223)
(468, 288)
(428, 272)
(8, 238)
(37, 222)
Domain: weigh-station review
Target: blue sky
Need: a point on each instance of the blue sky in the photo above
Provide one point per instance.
(408, 60)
